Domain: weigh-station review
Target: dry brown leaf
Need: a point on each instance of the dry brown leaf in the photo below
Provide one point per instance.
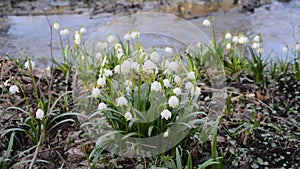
(235, 99)
(259, 96)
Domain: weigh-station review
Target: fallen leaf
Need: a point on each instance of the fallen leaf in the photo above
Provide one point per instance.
(259, 96)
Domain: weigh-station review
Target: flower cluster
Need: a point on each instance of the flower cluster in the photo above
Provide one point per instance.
(130, 82)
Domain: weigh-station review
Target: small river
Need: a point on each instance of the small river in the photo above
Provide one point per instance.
(279, 23)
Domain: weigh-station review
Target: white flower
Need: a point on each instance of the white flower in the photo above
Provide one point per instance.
(256, 38)
(127, 37)
(173, 66)
(206, 22)
(111, 39)
(243, 39)
(121, 101)
(56, 25)
(173, 101)
(154, 56)
(177, 79)
(167, 83)
(126, 66)
(107, 72)
(119, 55)
(117, 69)
(149, 67)
(95, 92)
(128, 83)
(155, 86)
(128, 116)
(118, 45)
(101, 80)
(228, 35)
(166, 134)
(285, 49)
(256, 45)
(135, 66)
(102, 106)
(228, 45)
(191, 75)
(39, 114)
(166, 114)
(169, 50)
(177, 91)
(235, 39)
(64, 31)
(82, 30)
(189, 85)
(196, 91)
(77, 38)
(120, 51)
(134, 35)
(13, 89)
(298, 47)
(27, 64)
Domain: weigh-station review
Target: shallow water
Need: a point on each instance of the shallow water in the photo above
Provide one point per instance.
(29, 35)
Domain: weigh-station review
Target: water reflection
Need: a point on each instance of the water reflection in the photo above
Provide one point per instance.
(30, 34)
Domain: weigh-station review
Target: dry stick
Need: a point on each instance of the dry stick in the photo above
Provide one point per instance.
(49, 94)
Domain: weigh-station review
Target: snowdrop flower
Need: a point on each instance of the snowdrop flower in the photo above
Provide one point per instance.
(121, 101)
(228, 35)
(128, 83)
(27, 64)
(135, 66)
(107, 72)
(228, 45)
(128, 116)
(155, 86)
(177, 79)
(173, 101)
(256, 38)
(82, 30)
(285, 49)
(166, 134)
(235, 39)
(134, 35)
(13, 89)
(166, 114)
(102, 106)
(127, 37)
(173, 66)
(256, 45)
(298, 47)
(243, 39)
(191, 75)
(64, 32)
(206, 23)
(118, 45)
(95, 92)
(154, 56)
(189, 85)
(196, 91)
(56, 25)
(101, 80)
(166, 83)
(150, 67)
(177, 91)
(169, 50)
(117, 69)
(110, 39)
(77, 38)
(39, 114)
(126, 66)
